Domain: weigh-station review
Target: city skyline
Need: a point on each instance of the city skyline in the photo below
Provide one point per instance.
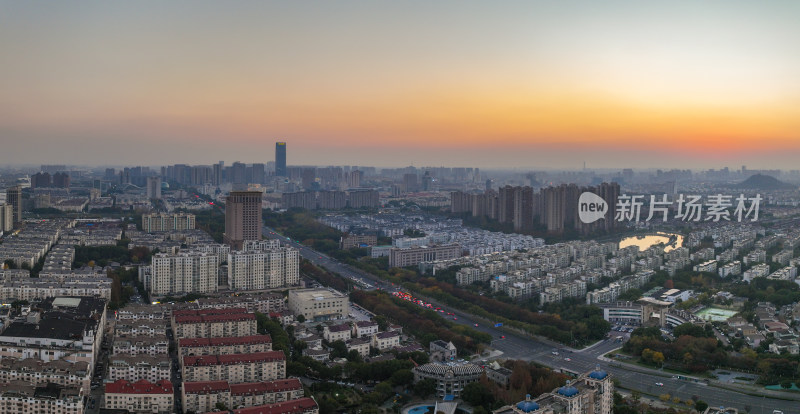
(551, 86)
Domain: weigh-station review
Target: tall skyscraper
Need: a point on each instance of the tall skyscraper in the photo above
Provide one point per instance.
(410, 183)
(216, 175)
(354, 179)
(242, 218)
(238, 171)
(308, 178)
(14, 198)
(41, 180)
(154, 187)
(280, 159)
(259, 172)
(6, 217)
(61, 180)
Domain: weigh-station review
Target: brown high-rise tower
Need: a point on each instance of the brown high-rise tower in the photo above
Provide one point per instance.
(242, 218)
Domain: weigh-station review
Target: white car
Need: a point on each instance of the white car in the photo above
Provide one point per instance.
(660, 384)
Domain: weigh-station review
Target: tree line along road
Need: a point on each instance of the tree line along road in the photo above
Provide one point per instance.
(518, 346)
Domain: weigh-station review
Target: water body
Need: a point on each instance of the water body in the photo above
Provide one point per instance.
(671, 241)
(423, 409)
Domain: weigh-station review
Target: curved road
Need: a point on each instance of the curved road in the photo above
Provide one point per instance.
(516, 346)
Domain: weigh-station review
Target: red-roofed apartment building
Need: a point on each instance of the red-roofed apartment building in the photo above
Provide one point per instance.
(213, 323)
(236, 368)
(140, 397)
(229, 345)
(204, 396)
(300, 406)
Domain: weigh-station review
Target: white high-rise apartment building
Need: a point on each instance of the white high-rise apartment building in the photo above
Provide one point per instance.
(266, 268)
(6, 217)
(186, 272)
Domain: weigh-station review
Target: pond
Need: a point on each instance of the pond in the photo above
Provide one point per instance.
(671, 240)
(423, 409)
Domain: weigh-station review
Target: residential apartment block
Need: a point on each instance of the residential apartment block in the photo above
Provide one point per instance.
(263, 269)
(222, 346)
(204, 396)
(235, 368)
(156, 222)
(140, 397)
(185, 272)
(213, 323)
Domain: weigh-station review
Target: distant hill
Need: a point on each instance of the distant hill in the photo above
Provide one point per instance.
(764, 182)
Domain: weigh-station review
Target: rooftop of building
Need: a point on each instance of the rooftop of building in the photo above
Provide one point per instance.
(315, 294)
(139, 387)
(231, 359)
(224, 341)
(287, 407)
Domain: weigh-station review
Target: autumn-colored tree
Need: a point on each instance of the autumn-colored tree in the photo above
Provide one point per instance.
(521, 376)
(658, 358)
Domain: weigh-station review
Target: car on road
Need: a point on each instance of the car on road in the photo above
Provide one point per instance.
(476, 325)
(568, 359)
(502, 337)
(454, 318)
(660, 384)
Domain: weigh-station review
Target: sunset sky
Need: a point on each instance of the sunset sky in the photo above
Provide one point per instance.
(524, 84)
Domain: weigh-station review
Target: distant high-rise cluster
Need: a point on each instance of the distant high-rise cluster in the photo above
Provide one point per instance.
(554, 209)
(45, 179)
(331, 200)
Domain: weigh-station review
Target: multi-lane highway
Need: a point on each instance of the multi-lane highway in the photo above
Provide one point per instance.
(517, 346)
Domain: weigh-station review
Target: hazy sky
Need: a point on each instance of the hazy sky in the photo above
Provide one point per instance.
(487, 84)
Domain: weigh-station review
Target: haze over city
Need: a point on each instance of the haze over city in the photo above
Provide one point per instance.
(525, 84)
(450, 207)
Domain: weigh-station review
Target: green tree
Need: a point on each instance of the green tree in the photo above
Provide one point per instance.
(424, 388)
(402, 377)
(17, 304)
(354, 356)
(476, 394)
(383, 324)
(301, 318)
(700, 406)
(338, 349)
(689, 329)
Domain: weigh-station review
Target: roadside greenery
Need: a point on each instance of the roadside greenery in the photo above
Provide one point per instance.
(588, 324)
(424, 324)
(696, 350)
(302, 226)
(212, 221)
